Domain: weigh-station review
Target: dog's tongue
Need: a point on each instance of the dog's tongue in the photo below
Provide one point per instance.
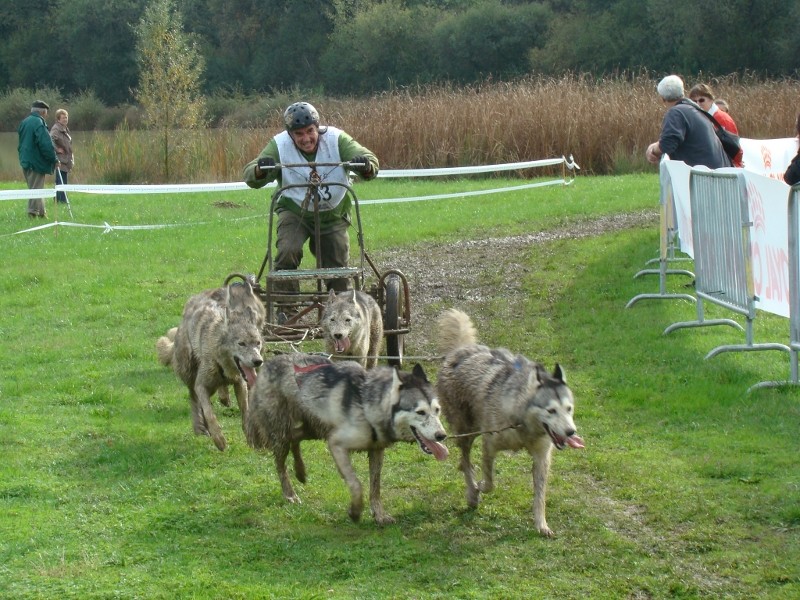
(341, 345)
(575, 441)
(249, 375)
(438, 450)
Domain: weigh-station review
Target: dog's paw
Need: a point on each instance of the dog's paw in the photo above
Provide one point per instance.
(545, 531)
(293, 499)
(384, 519)
(300, 473)
(224, 396)
(486, 486)
(355, 513)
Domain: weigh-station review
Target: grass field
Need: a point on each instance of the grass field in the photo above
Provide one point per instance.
(688, 487)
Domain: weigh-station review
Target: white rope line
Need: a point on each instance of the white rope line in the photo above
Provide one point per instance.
(27, 194)
(465, 194)
(240, 186)
(107, 228)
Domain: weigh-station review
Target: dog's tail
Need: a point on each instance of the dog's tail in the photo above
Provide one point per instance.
(455, 331)
(165, 346)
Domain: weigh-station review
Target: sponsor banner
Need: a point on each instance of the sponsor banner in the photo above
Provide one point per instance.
(768, 199)
(768, 157)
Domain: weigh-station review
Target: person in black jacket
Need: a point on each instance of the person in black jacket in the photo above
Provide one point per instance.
(792, 174)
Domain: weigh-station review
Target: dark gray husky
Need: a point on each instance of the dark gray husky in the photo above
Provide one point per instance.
(301, 397)
(490, 389)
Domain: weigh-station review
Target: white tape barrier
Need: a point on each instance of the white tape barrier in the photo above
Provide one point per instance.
(569, 164)
(28, 194)
(181, 188)
(109, 228)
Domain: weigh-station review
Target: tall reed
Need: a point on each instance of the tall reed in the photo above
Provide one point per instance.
(605, 123)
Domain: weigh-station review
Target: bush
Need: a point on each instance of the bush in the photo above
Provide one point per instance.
(86, 111)
(15, 105)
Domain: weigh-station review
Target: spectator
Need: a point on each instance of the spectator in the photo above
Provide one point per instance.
(686, 134)
(37, 157)
(62, 141)
(792, 174)
(305, 141)
(723, 105)
(704, 97)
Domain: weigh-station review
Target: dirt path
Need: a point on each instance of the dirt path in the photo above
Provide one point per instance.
(466, 273)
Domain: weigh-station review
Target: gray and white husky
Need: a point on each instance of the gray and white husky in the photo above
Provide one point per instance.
(299, 397)
(352, 326)
(218, 343)
(492, 390)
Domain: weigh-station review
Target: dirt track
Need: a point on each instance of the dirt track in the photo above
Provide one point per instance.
(466, 273)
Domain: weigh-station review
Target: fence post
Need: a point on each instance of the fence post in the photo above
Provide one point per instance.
(668, 233)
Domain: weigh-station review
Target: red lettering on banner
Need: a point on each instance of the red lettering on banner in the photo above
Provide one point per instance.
(758, 271)
(756, 204)
(766, 156)
(778, 274)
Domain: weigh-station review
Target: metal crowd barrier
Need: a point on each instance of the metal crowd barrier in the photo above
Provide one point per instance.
(794, 290)
(668, 230)
(723, 265)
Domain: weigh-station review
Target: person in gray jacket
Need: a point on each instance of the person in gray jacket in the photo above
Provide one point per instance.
(686, 134)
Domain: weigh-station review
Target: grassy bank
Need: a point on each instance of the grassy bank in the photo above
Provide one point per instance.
(688, 487)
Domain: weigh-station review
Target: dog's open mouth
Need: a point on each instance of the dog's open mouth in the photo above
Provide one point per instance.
(561, 442)
(249, 373)
(341, 345)
(438, 449)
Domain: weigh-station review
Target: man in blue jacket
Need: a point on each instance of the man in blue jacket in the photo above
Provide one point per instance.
(37, 156)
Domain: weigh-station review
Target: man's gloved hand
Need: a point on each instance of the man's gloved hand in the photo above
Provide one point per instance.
(266, 164)
(361, 165)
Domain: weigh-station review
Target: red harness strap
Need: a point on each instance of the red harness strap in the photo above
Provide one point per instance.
(298, 370)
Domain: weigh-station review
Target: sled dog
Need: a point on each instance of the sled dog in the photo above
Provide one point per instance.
(217, 343)
(352, 326)
(301, 397)
(492, 390)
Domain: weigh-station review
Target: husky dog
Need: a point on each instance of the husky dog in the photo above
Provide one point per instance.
(491, 390)
(217, 343)
(300, 397)
(352, 326)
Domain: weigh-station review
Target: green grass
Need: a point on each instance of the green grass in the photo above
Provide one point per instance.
(688, 486)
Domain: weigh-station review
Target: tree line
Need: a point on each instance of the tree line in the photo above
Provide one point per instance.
(357, 47)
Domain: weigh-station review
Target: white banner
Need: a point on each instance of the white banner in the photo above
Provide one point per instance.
(768, 157)
(768, 198)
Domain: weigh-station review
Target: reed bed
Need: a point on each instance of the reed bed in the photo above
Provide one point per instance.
(605, 123)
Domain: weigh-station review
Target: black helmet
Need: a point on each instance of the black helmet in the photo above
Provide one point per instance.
(299, 115)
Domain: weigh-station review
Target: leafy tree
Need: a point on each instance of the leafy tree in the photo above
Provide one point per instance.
(382, 45)
(93, 45)
(170, 75)
(489, 39)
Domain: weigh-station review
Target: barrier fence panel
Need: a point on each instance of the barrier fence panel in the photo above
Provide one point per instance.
(723, 256)
(668, 233)
(794, 279)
